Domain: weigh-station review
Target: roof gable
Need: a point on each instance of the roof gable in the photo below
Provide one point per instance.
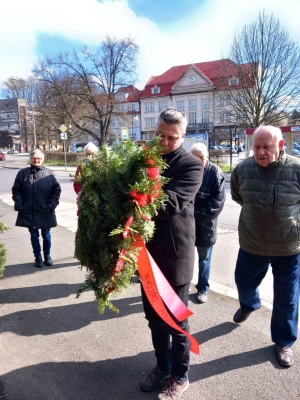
(192, 79)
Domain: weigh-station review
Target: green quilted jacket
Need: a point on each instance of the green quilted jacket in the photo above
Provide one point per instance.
(270, 200)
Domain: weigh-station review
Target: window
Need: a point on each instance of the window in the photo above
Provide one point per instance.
(155, 90)
(121, 96)
(162, 105)
(149, 107)
(192, 117)
(225, 118)
(224, 100)
(205, 116)
(240, 99)
(150, 122)
(192, 105)
(233, 81)
(180, 105)
(205, 104)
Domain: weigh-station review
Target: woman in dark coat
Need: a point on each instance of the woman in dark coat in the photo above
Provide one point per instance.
(36, 193)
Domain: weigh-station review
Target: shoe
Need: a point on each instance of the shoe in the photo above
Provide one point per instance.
(241, 316)
(38, 262)
(155, 378)
(48, 261)
(202, 297)
(284, 355)
(174, 389)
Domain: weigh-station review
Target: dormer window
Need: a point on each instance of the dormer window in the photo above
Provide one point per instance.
(121, 96)
(155, 90)
(233, 81)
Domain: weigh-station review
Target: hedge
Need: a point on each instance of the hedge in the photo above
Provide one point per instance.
(59, 157)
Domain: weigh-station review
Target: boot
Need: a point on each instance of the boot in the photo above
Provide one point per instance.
(48, 261)
(38, 262)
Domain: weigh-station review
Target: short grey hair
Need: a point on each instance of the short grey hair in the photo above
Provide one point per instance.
(273, 130)
(91, 148)
(199, 148)
(173, 116)
(35, 151)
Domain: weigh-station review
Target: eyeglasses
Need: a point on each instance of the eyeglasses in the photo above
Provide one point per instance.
(36, 158)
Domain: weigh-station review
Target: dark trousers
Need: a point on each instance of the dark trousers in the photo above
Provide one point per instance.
(250, 271)
(175, 355)
(35, 242)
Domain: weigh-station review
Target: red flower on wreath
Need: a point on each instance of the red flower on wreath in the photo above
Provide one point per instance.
(149, 161)
(155, 192)
(153, 172)
(140, 198)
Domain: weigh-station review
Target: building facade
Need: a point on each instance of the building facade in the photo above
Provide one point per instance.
(14, 127)
(198, 91)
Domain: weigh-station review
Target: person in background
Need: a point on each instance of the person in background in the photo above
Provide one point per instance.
(90, 150)
(209, 203)
(172, 248)
(267, 186)
(36, 194)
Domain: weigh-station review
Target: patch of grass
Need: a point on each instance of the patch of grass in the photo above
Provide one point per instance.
(226, 167)
(60, 164)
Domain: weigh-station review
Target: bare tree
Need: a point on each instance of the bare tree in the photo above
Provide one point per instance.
(261, 77)
(16, 88)
(84, 83)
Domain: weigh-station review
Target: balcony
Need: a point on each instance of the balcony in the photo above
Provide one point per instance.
(200, 127)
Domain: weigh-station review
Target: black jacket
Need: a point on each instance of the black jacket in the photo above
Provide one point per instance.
(209, 203)
(173, 243)
(36, 193)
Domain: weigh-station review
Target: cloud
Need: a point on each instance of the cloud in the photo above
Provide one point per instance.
(204, 35)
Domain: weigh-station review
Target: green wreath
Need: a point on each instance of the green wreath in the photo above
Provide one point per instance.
(121, 192)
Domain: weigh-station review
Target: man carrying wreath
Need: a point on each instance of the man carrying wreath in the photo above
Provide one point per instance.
(172, 248)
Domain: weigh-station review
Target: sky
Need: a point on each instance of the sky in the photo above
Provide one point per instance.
(168, 32)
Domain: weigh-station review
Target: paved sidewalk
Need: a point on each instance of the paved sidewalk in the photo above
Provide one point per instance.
(56, 347)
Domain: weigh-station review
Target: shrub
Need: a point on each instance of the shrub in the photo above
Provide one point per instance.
(2, 251)
(58, 157)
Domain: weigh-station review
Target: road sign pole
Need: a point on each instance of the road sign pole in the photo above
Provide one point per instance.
(65, 154)
(64, 137)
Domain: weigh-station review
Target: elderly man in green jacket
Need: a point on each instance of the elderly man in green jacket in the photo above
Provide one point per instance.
(267, 186)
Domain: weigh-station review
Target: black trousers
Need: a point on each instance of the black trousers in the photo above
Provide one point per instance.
(176, 354)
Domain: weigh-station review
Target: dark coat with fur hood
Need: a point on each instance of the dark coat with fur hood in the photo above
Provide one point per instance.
(36, 193)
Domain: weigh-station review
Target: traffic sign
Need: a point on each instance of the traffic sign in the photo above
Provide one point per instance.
(63, 136)
(63, 128)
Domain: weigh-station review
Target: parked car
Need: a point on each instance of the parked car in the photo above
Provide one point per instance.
(12, 151)
(3, 151)
(296, 145)
(295, 152)
(227, 148)
(219, 148)
(2, 156)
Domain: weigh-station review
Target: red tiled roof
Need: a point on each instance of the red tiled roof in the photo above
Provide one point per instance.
(133, 93)
(214, 70)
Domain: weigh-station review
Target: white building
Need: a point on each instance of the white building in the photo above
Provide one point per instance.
(198, 91)
(127, 114)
